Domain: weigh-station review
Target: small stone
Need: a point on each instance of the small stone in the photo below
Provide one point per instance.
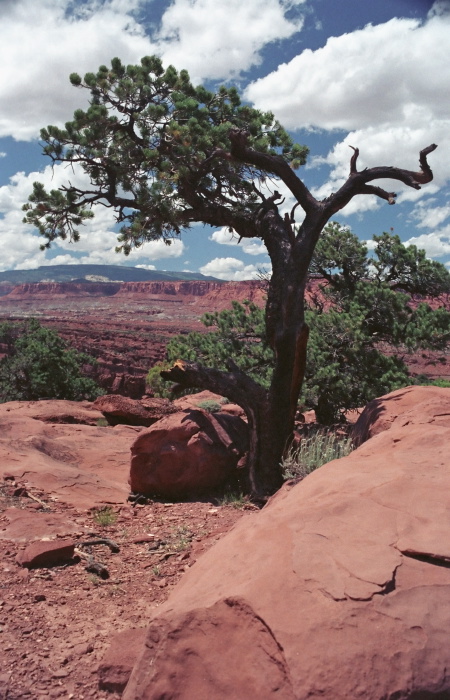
(39, 597)
(143, 538)
(60, 673)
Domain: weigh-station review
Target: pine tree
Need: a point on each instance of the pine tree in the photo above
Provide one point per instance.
(164, 154)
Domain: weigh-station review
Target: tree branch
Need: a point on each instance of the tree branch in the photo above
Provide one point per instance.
(273, 164)
(357, 181)
(235, 384)
(408, 177)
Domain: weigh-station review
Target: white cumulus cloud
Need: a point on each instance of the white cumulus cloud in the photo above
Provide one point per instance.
(384, 85)
(436, 245)
(228, 37)
(380, 74)
(428, 214)
(230, 269)
(41, 43)
(250, 246)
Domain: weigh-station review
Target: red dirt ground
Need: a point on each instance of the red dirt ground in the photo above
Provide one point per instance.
(56, 623)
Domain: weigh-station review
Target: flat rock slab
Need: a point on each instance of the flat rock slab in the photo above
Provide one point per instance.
(55, 411)
(19, 525)
(340, 585)
(44, 554)
(80, 464)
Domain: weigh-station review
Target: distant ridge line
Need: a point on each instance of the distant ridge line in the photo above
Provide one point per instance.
(97, 273)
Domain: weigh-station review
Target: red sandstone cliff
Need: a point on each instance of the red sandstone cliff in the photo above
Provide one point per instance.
(65, 289)
(211, 293)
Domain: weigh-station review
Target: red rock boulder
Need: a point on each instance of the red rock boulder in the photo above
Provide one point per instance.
(412, 404)
(187, 453)
(338, 589)
(121, 410)
(46, 553)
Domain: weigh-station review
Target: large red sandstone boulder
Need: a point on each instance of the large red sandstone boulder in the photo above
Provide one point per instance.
(395, 410)
(125, 411)
(339, 588)
(187, 453)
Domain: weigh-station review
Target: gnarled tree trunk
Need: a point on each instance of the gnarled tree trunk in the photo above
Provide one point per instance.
(271, 414)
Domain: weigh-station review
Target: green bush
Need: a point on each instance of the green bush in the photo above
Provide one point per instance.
(156, 384)
(40, 365)
(314, 451)
(210, 405)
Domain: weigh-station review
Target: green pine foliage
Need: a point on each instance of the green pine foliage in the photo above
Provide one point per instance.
(150, 142)
(365, 323)
(361, 325)
(238, 333)
(38, 364)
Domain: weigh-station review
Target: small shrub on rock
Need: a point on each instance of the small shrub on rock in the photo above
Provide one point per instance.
(314, 451)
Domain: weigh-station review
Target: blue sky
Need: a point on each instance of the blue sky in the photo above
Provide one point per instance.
(335, 72)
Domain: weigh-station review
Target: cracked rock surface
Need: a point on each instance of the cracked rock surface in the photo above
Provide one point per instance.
(340, 585)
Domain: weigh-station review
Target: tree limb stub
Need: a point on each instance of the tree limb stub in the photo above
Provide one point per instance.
(390, 197)
(235, 384)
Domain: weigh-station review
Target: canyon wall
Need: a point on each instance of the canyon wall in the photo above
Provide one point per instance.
(126, 325)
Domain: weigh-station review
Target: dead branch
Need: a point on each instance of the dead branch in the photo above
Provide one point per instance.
(357, 182)
(235, 384)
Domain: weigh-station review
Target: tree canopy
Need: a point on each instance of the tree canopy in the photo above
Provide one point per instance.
(368, 317)
(39, 365)
(156, 150)
(163, 154)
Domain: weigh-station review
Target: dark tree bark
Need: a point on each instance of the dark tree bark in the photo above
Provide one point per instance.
(271, 414)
